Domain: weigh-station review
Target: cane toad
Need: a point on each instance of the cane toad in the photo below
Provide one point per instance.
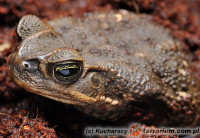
(106, 64)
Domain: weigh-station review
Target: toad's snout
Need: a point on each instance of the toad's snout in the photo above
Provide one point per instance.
(22, 70)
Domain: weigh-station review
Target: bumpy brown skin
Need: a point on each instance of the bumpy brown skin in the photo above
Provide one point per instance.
(126, 61)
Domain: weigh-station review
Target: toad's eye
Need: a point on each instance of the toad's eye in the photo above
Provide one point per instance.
(66, 72)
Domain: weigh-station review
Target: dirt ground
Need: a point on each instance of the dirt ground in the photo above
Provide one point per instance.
(28, 115)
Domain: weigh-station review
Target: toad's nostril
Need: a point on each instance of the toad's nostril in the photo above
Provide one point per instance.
(30, 65)
(26, 65)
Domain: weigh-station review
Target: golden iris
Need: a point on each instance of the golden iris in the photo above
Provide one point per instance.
(67, 72)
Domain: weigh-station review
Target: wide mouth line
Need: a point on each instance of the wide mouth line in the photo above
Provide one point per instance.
(60, 99)
(66, 96)
(54, 95)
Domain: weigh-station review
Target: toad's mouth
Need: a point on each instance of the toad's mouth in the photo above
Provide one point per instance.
(72, 97)
(66, 96)
(60, 98)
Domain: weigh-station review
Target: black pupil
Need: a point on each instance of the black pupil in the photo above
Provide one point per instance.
(68, 72)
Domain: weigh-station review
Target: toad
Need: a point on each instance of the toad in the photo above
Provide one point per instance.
(106, 64)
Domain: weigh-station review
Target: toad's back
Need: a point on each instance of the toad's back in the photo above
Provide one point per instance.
(122, 61)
